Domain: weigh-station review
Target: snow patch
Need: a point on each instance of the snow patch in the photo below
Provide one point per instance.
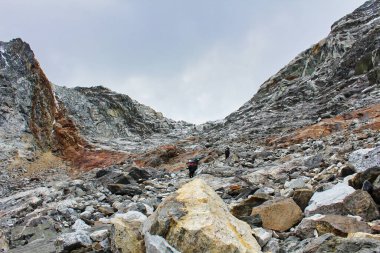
(2, 51)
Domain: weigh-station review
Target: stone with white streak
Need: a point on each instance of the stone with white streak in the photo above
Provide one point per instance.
(157, 244)
(330, 201)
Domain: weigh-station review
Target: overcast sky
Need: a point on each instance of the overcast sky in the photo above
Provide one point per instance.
(194, 60)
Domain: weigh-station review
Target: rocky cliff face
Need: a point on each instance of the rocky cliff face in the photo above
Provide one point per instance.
(15, 96)
(338, 75)
(303, 174)
(33, 119)
(103, 115)
(72, 123)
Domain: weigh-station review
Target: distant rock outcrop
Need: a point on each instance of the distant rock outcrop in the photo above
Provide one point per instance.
(37, 115)
(31, 116)
(102, 114)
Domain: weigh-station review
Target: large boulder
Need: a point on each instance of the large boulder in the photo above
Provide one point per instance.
(360, 203)
(279, 215)
(343, 200)
(334, 224)
(329, 201)
(244, 208)
(195, 219)
(126, 236)
(364, 159)
(38, 229)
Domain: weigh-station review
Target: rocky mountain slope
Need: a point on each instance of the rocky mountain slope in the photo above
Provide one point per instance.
(337, 76)
(101, 115)
(303, 174)
(39, 116)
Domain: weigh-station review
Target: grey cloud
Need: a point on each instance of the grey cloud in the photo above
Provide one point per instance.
(192, 60)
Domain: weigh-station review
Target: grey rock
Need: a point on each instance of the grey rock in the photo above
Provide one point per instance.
(335, 224)
(273, 246)
(262, 235)
(343, 200)
(313, 161)
(330, 201)
(131, 216)
(140, 207)
(40, 246)
(73, 241)
(116, 116)
(287, 193)
(295, 183)
(360, 203)
(99, 235)
(349, 245)
(157, 244)
(44, 231)
(265, 190)
(253, 220)
(80, 225)
(121, 189)
(86, 215)
(364, 159)
(139, 175)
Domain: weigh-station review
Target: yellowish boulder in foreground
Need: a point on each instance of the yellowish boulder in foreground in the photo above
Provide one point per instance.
(126, 234)
(195, 219)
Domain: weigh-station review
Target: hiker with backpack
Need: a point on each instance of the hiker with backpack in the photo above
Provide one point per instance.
(227, 152)
(192, 166)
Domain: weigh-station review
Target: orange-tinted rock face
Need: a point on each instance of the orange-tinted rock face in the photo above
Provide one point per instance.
(43, 109)
(171, 157)
(87, 159)
(53, 130)
(368, 118)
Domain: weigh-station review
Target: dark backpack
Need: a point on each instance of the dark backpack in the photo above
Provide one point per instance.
(192, 163)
